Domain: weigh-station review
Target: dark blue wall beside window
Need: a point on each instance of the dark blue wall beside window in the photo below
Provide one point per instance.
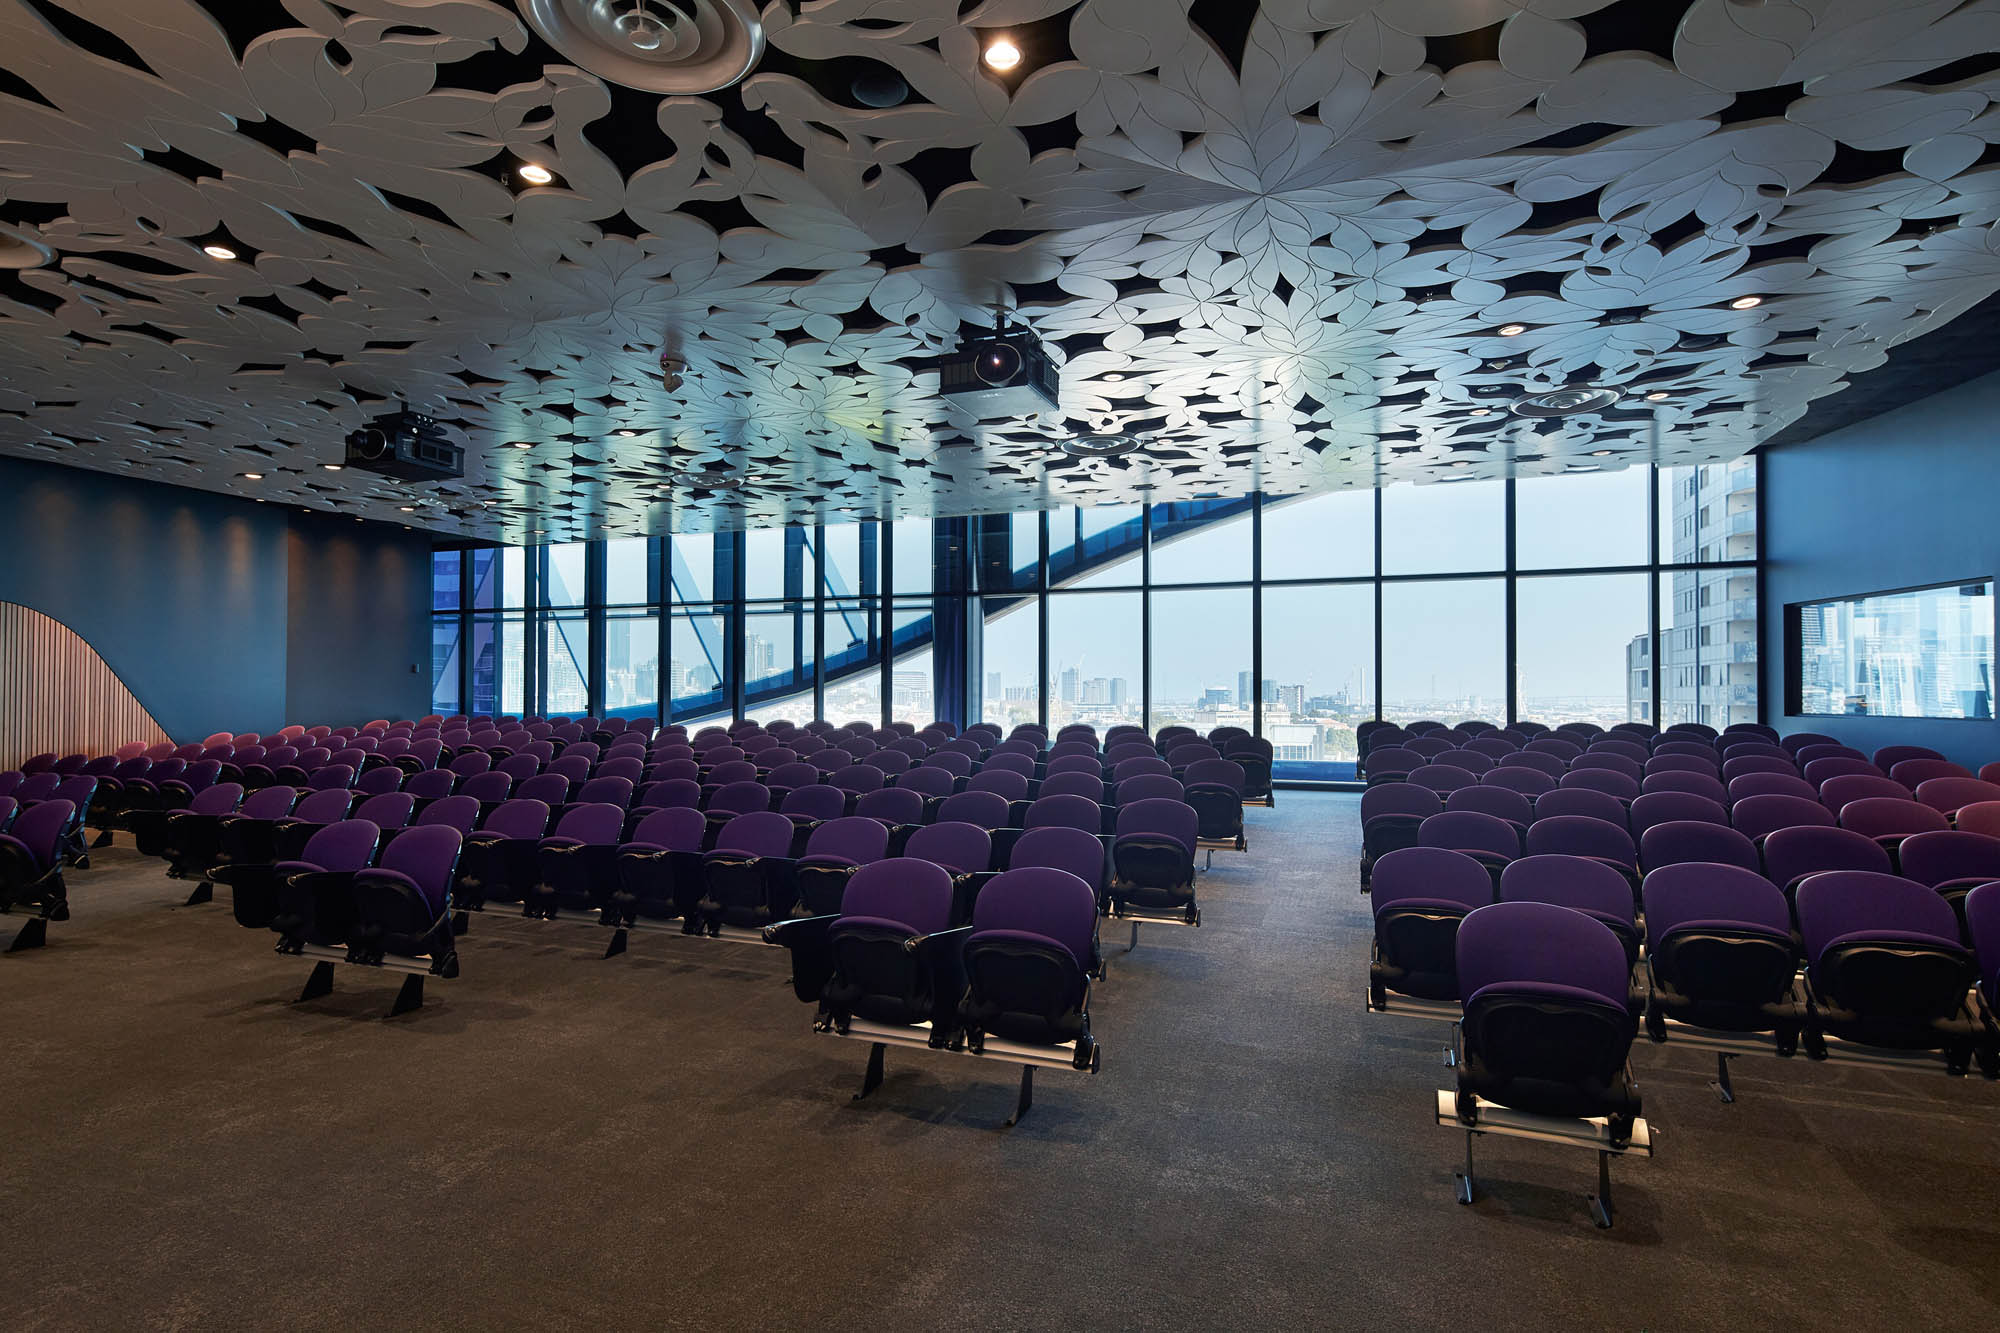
(210, 609)
(1897, 501)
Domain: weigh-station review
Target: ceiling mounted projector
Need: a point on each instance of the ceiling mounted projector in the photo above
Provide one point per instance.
(1006, 373)
(405, 444)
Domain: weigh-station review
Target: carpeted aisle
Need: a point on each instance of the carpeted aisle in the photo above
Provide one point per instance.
(659, 1141)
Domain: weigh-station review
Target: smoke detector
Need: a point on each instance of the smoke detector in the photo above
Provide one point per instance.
(670, 47)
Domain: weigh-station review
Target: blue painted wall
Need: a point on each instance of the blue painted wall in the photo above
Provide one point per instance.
(220, 614)
(1904, 499)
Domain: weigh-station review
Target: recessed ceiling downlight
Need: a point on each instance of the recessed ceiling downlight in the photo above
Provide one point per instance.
(1565, 402)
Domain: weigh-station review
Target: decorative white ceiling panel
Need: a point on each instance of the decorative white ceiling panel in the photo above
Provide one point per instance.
(1277, 245)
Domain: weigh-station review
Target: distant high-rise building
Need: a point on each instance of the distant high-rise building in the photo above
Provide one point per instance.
(1292, 699)
(1707, 661)
(1269, 693)
(1118, 693)
(1215, 698)
(1068, 684)
(1243, 679)
(994, 687)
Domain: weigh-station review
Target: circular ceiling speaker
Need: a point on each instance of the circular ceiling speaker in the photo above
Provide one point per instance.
(670, 47)
(880, 87)
(1099, 446)
(22, 249)
(1565, 402)
(712, 481)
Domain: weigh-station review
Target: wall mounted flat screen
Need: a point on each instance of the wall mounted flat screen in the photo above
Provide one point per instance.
(1915, 652)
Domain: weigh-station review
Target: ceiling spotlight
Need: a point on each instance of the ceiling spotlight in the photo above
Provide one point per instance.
(251, 476)
(333, 467)
(627, 434)
(1482, 411)
(1658, 396)
(522, 444)
(1746, 303)
(218, 252)
(1113, 378)
(1002, 54)
(535, 174)
(1600, 453)
(1511, 330)
(408, 509)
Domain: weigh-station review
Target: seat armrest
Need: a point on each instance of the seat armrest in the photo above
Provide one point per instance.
(930, 944)
(798, 929)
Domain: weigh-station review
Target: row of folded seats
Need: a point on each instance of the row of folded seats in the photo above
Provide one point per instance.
(1860, 955)
(742, 870)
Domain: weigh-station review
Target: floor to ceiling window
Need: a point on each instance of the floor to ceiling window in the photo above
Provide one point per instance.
(1600, 596)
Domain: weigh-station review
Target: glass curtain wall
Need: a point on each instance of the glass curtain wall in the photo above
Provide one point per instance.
(1600, 596)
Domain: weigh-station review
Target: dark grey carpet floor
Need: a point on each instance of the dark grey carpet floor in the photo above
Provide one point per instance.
(659, 1141)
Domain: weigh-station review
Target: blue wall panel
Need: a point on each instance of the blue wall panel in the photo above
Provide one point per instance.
(1897, 501)
(221, 614)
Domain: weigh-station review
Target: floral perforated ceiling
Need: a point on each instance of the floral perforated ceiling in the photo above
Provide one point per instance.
(1276, 246)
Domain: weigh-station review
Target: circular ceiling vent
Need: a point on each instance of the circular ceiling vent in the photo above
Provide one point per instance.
(1099, 446)
(670, 47)
(22, 249)
(1565, 402)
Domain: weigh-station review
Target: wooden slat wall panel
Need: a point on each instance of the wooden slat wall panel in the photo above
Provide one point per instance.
(57, 694)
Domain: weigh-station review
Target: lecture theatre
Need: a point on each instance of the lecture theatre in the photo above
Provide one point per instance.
(1016, 664)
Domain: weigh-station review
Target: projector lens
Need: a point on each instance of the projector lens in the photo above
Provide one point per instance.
(997, 363)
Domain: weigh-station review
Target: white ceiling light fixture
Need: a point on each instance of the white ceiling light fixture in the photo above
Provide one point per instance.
(670, 47)
(1746, 303)
(1001, 54)
(1658, 396)
(218, 252)
(535, 174)
(1511, 330)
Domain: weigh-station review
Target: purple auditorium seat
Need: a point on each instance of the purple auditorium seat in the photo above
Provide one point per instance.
(963, 849)
(746, 880)
(41, 786)
(1812, 754)
(1695, 784)
(1421, 894)
(833, 853)
(401, 905)
(775, 756)
(1615, 763)
(1551, 765)
(350, 758)
(1890, 821)
(1004, 783)
(1553, 746)
(1491, 841)
(247, 837)
(669, 769)
(606, 791)
(1152, 859)
(1791, 854)
(1214, 787)
(1662, 806)
(1086, 785)
(330, 777)
(577, 863)
(1156, 786)
(1549, 1018)
(14, 777)
(1087, 764)
(733, 770)
(858, 778)
(1496, 748)
(519, 767)
(1755, 817)
(1591, 804)
(933, 784)
(1683, 763)
(1634, 751)
(1913, 773)
(1138, 767)
(146, 801)
(1949, 795)
(489, 789)
(1064, 812)
(193, 836)
(31, 869)
(390, 812)
(1497, 802)
(1609, 782)
(891, 762)
(1684, 840)
(1441, 778)
(282, 896)
(892, 807)
(670, 794)
(314, 810)
(1836, 793)
(1003, 762)
(1746, 785)
(1391, 819)
(1979, 817)
(457, 812)
(425, 753)
(1118, 754)
(1580, 835)
(1734, 768)
(1889, 756)
(1527, 782)
(108, 808)
(815, 804)
(576, 768)
(1028, 962)
(465, 765)
(659, 866)
(377, 781)
(498, 863)
(46, 763)
(79, 789)
(1719, 953)
(1950, 862)
(429, 784)
(983, 808)
(1580, 884)
(1884, 966)
(1429, 746)
(1982, 927)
